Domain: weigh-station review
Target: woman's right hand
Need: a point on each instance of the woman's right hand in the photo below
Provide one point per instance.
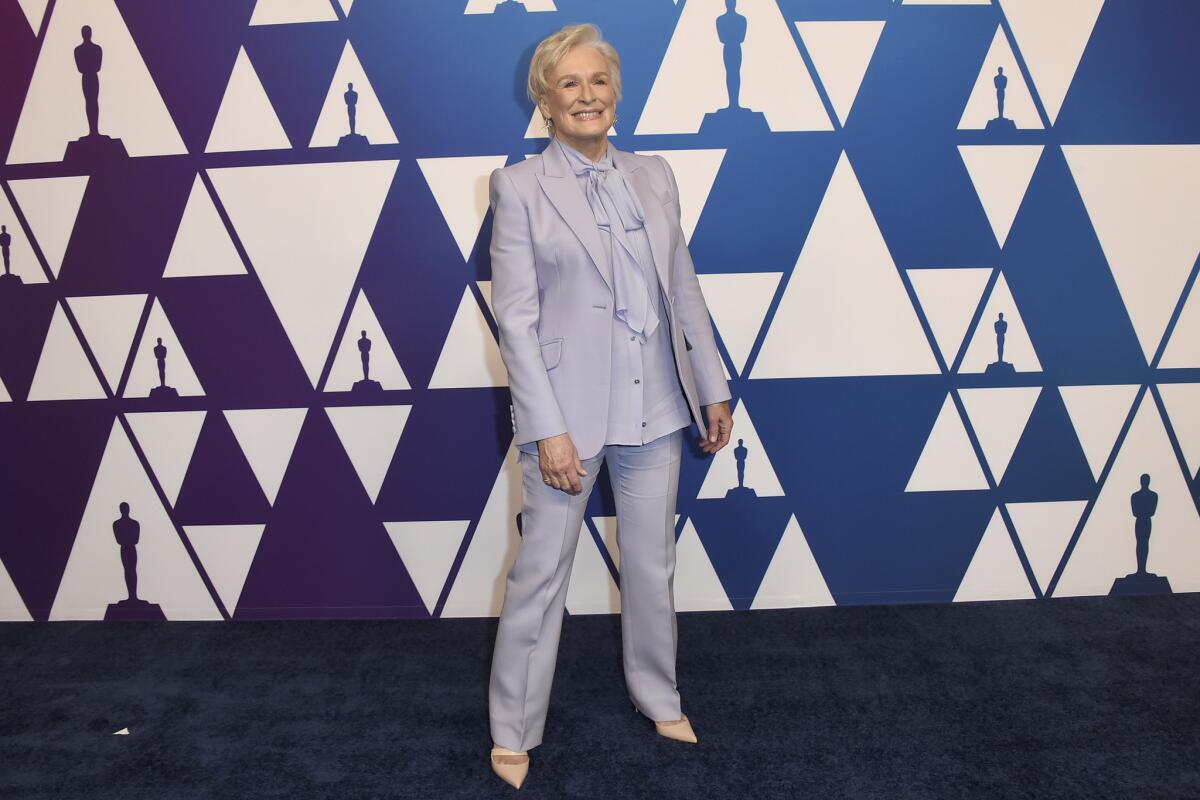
(559, 462)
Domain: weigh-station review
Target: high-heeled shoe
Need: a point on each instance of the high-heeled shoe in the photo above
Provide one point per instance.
(512, 774)
(679, 729)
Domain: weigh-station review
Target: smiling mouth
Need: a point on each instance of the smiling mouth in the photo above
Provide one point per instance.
(586, 116)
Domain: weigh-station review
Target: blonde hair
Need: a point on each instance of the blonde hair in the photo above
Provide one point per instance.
(554, 47)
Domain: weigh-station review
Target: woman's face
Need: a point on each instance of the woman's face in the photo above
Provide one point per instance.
(579, 97)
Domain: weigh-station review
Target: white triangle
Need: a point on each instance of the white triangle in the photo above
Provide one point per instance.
(370, 435)
(202, 245)
(1183, 348)
(12, 607)
(22, 261)
(50, 206)
(845, 310)
(108, 323)
(793, 579)
(34, 10)
(143, 377)
(1018, 347)
(306, 228)
(470, 356)
(995, 572)
(428, 550)
(1045, 530)
(697, 587)
(607, 528)
(1001, 175)
(982, 105)
(1052, 38)
(246, 119)
(947, 461)
(841, 52)
(722, 471)
(478, 589)
(267, 437)
(591, 589)
(5, 397)
(226, 552)
(1142, 203)
(460, 187)
(369, 117)
(949, 298)
(284, 12)
(1106, 547)
(1182, 401)
(346, 4)
(999, 417)
(131, 108)
(691, 79)
(63, 371)
(1098, 414)
(695, 172)
(168, 440)
(489, 6)
(347, 361)
(537, 128)
(738, 303)
(95, 577)
(947, 2)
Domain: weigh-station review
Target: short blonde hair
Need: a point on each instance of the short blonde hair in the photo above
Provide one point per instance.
(554, 47)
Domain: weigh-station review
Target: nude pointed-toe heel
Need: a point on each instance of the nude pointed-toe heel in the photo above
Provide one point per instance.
(680, 729)
(512, 774)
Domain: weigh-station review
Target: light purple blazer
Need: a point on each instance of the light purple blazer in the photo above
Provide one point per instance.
(552, 296)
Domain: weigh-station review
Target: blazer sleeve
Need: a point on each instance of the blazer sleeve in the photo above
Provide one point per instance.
(692, 312)
(516, 303)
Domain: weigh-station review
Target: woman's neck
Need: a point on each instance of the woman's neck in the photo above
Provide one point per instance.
(592, 149)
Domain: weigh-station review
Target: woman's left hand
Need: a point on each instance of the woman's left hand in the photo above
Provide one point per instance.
(720, 423)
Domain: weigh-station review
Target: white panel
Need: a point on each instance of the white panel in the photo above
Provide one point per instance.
(793, 578)
(131, 109)
(738, 303)
(984, 347)
(697, 587)
(691, 78)
(1098, 412)
(982, 105)
(267, 437)
(1143, 204)
(722, 469)
(470, 356)
(845, 310)
(1052, 38)
(12, 607)
(460, 187)
(168, 439)
(370, 435)
(995, 572)
(841, 52)
(143, 377)
(51, 206)
(282, 12)
(369, 117)
(63, 371)
(999, 417)
(695, 172)
(347, 362)
(1183, 348)
(428, 550)
(949, 298)
(95, 577)
(246, 119)
(226, 552)
(34, 10)
(21, 259)
(1106, 548)
(489, 6)
(202, 245)
(108, 323)
(1045, 529)
(306, 228)
(592, 589)
(1183, 411)
(947, 461)
(1001, 175)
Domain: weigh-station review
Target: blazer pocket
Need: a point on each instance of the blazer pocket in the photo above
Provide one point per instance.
(552, 352)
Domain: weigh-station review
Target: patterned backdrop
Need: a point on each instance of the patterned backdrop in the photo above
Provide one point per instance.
(248, 365)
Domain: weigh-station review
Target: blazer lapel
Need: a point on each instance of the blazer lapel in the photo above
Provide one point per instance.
(658, 226)
(562, 187)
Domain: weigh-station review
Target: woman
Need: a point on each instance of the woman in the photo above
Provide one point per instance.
(610, 356)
